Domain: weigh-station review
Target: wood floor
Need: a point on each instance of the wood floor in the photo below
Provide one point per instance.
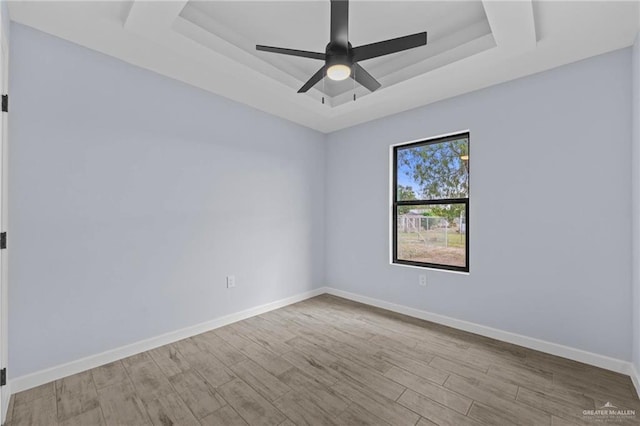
(328, 361)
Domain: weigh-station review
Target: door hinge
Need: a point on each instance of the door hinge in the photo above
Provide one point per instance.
(3, 377)
(3, 240)
(5, 103)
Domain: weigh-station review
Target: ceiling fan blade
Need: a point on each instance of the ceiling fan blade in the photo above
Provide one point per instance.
(373, 50)
(340, 23)
(313, 80)
(363, 77)
(292, 52)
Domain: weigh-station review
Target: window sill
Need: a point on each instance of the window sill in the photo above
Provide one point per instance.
(427, 268)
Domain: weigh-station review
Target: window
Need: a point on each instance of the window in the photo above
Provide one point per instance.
(431, 203)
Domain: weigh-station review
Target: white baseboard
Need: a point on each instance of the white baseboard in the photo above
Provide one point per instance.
(32, 380)
(54, 373)
(635, 377)
(602, 361)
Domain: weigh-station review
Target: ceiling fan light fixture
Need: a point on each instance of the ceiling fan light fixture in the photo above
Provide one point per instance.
(339, 72)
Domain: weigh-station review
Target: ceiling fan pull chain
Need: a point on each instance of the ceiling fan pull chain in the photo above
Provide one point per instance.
(354, 83)
(323, 91)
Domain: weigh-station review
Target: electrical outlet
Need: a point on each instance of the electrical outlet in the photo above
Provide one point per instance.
(231, 281)
(422, 280)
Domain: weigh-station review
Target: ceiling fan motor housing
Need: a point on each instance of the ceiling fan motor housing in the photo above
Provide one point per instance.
(338, 55)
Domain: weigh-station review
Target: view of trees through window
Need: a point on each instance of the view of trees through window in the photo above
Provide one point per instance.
(431, 202)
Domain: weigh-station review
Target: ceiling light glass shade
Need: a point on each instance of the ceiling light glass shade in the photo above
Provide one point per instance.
(338, 72)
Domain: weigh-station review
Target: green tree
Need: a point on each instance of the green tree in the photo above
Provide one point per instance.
(405, 193)
(441, 170)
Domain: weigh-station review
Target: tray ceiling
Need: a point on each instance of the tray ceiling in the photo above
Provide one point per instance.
(211, 45)
(305, 26)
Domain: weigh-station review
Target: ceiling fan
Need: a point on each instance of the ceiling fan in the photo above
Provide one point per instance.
(341, 59)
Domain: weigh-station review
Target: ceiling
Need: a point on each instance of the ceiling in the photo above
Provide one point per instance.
(211, 45)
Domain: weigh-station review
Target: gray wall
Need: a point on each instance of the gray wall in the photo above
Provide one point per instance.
(550, 207)
(132, 196)
(635, 199)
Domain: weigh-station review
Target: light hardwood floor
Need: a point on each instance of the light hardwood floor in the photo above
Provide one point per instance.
(329, 361)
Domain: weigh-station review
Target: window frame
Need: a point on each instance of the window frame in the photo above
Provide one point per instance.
(395, 204)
